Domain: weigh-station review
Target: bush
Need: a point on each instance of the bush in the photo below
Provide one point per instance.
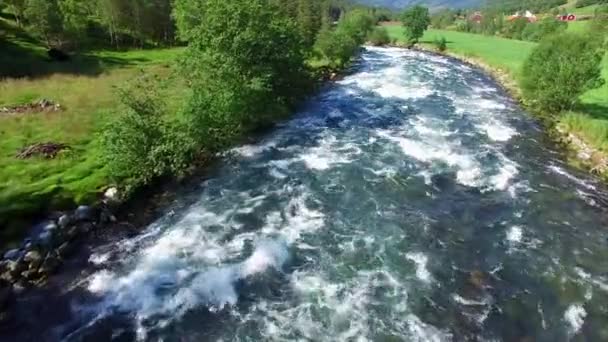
(515, 28)
(378, 37)
(337, 46)
(560, 69)
(142, 144)
(544, 28)
(441, 44)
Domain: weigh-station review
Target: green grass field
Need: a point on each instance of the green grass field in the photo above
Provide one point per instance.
(590, 121)
(85, 89)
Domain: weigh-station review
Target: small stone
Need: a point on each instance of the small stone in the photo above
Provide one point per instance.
(111, 195)
(13, 254)
(64, 221)
(84, 213)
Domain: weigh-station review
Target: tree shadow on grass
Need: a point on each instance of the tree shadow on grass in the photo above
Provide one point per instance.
(21, 55)
(596, 111)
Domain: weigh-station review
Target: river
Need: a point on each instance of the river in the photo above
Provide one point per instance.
(411, 201)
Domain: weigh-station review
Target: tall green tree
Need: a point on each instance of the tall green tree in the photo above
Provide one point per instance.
(246, 63)
(415, 20)
(17, 8)
(45, 20)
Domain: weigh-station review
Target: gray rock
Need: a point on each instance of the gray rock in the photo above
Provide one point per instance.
(13, 254)
(64, 221)
(32, 255)
(86, 227)
(30, 274)
(84, 213)
(73, 232)
(14, 268)
(65, 249)
(50, 226)
(50, 264)
(45, 238)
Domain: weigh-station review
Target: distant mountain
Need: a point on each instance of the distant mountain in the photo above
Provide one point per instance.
(430, 3)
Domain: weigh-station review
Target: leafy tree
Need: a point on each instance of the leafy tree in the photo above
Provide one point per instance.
(515, 28)
(379, 36)
(443, 19)
(17, 8)
(560, 69)
(441, 44)
(246, 63)
(415, 20)
(142, 143)
(44, 18)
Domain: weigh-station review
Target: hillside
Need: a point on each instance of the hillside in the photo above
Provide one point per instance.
(430, 3)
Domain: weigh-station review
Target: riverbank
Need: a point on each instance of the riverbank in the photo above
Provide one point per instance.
(581, 133)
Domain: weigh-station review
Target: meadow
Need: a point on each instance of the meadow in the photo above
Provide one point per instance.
(84, 87)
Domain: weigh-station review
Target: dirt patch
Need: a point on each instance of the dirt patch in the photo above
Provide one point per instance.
(48, 150)
(43, 105)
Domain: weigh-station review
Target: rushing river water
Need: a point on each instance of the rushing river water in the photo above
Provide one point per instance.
(411, 201)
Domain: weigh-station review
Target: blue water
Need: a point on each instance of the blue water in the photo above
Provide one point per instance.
(411, 201)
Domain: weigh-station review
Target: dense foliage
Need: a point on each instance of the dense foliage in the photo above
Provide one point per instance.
(441, 44)
(339, 44)
(560, 69)
(378, 37)
(415, 20)
(246, 67)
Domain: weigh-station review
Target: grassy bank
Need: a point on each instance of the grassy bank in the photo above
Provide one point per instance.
(589, 121)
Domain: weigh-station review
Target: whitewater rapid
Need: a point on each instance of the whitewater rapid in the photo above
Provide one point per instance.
(410, 201)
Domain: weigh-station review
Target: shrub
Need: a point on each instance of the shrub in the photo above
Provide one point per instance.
(560, 69)
(544, 28)
(142, 144)
(337, 46)
(515, 28)
(378, 37)
(441, 44)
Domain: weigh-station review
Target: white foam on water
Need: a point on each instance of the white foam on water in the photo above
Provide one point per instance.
(249, 151)
(99, 258)
(497, 131)
(575, 317)
(328, 153)
(420, 260)
(467, 302)
(562, 172)
(515, 234)
(100, 282)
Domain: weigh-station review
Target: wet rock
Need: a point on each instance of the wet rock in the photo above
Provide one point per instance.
(45, 238)
(50, 227)
(65, 250)
(106, 216)
(30, 274)
(13, 254)
(14, 268)
(33, 255)
(50, 265)
(85, 228)
(65, 221)
(84, 213)
(73, 232)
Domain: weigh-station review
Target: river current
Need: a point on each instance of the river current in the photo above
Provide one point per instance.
(411, 201)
